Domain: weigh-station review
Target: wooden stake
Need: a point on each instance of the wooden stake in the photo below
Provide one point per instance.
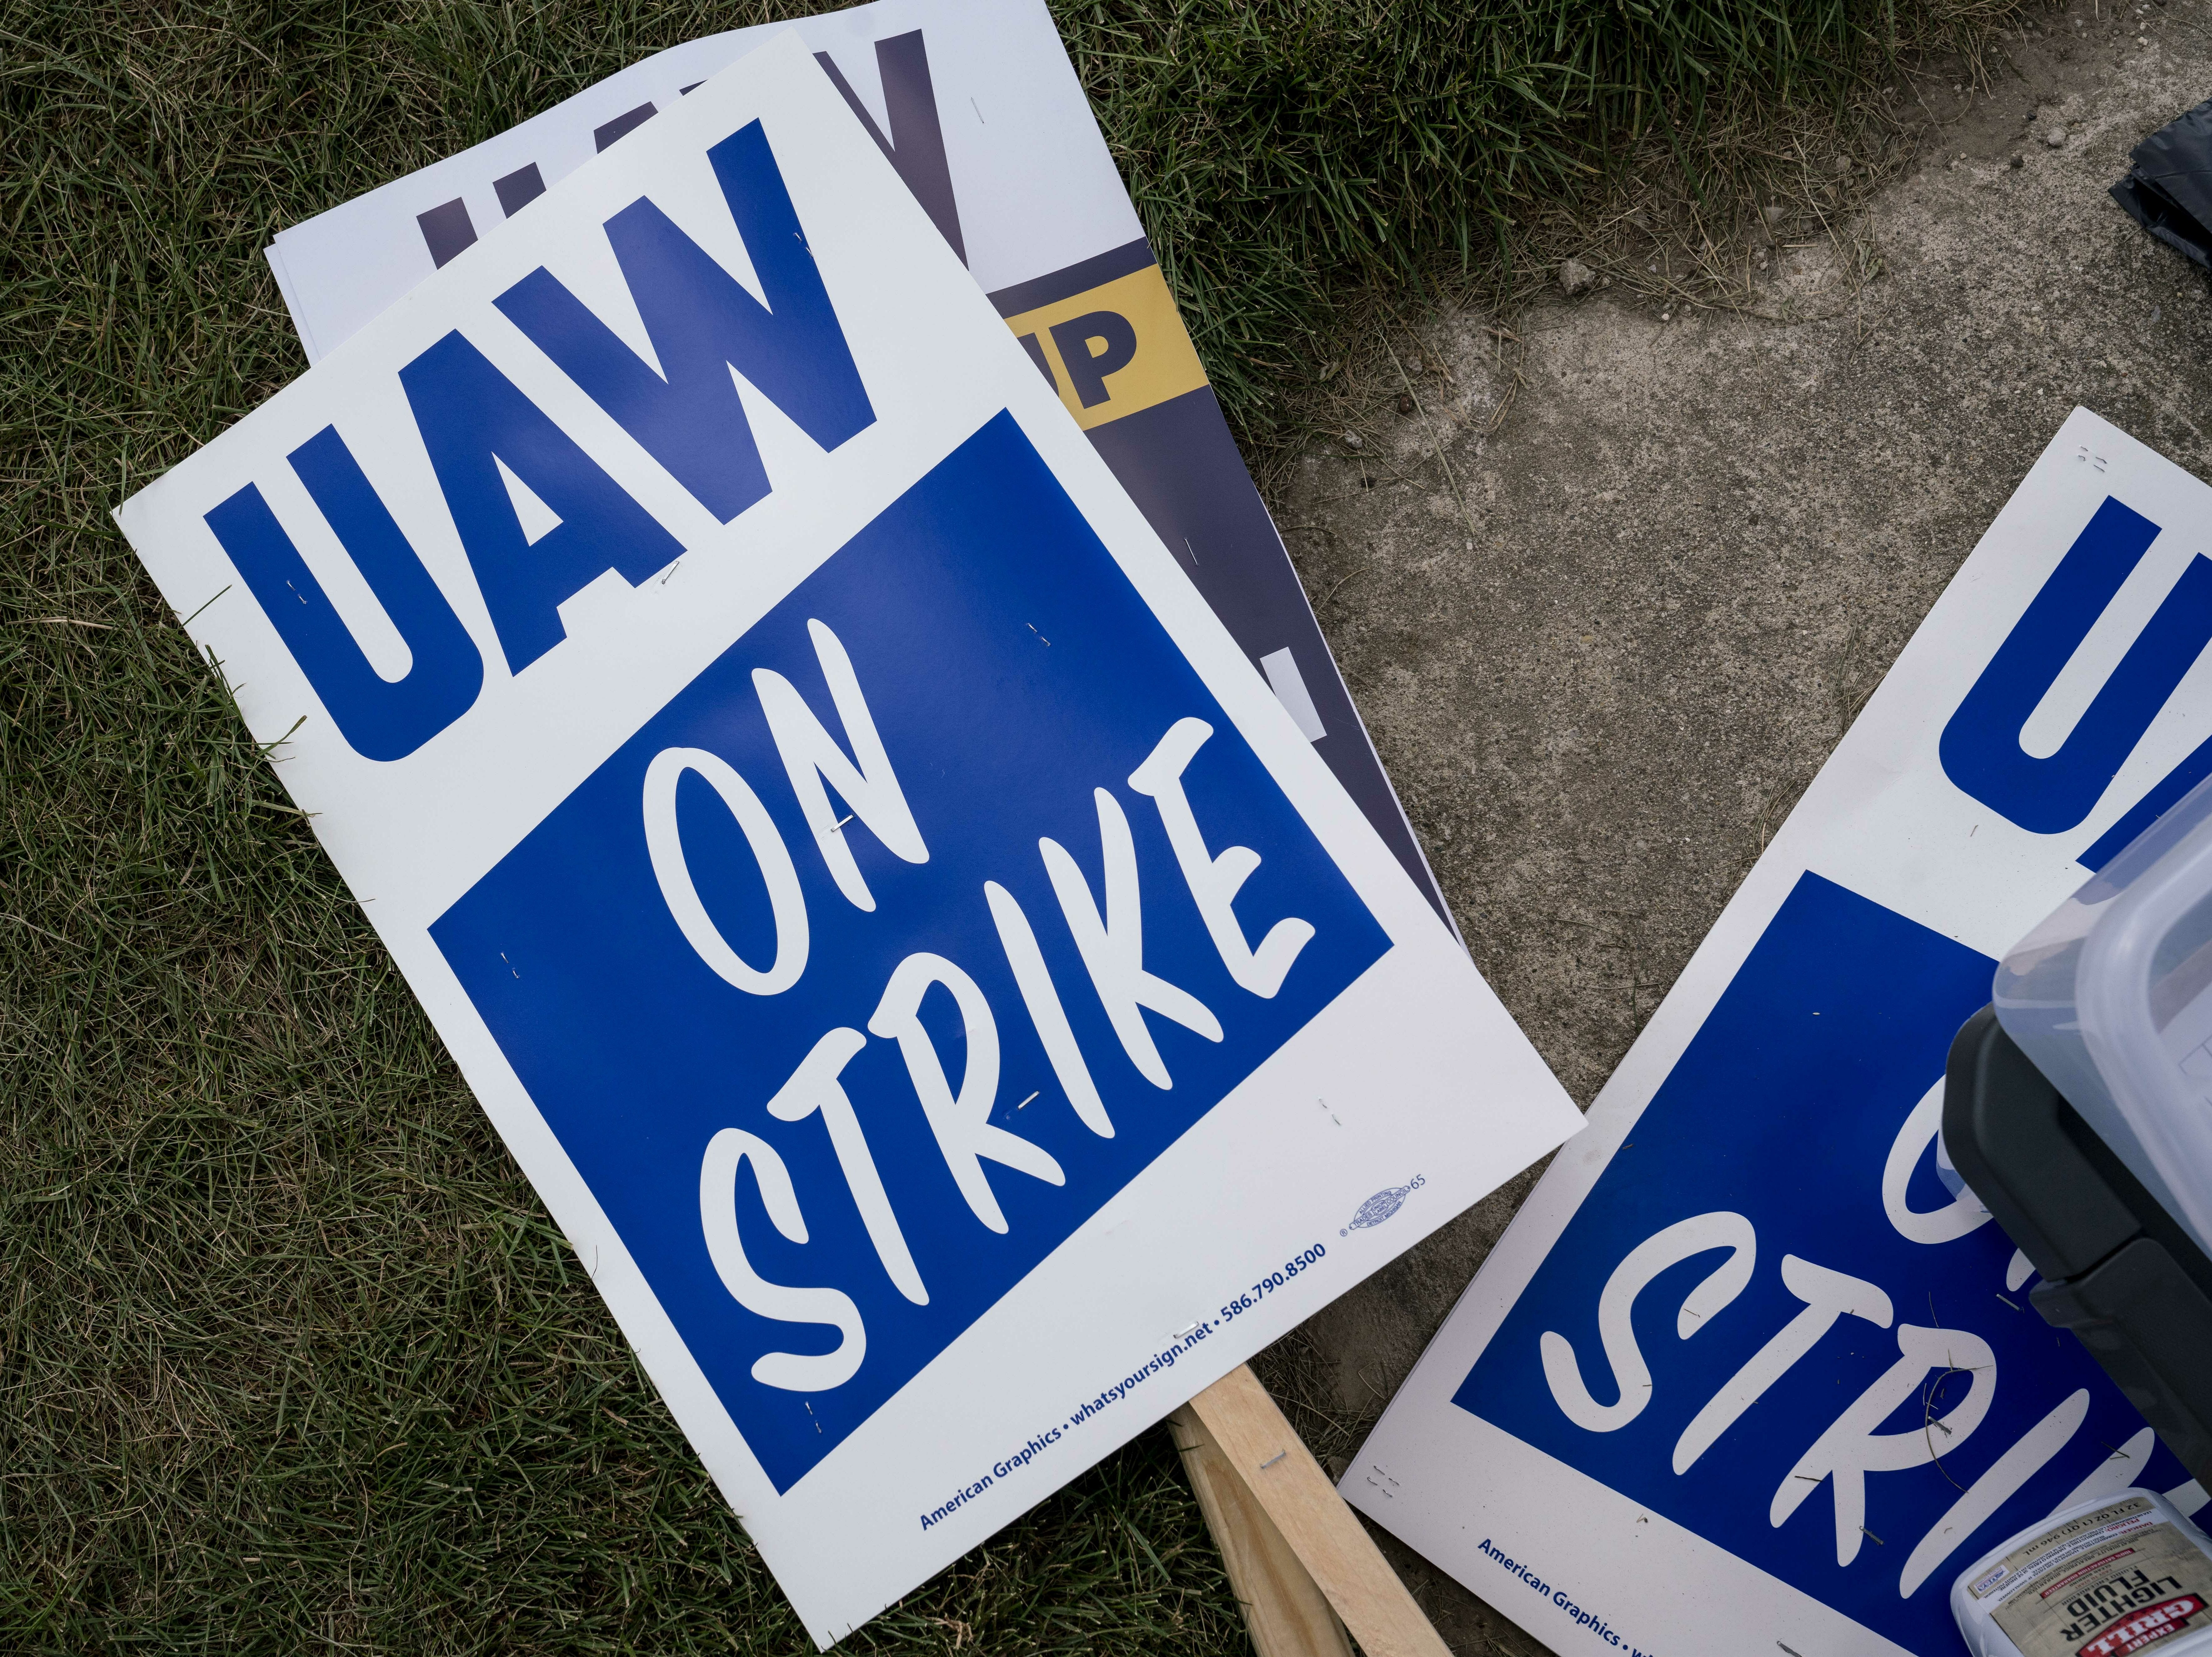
(1303, 1568)
(1286, 1614)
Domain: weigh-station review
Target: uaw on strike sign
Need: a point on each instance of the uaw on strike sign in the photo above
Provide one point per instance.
(950, 1007)
(1749, 1373)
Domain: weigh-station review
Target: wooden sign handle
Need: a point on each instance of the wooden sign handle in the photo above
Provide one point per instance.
(1303, 1568)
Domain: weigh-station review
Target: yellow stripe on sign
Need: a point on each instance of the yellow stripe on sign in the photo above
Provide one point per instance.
(1114, 350)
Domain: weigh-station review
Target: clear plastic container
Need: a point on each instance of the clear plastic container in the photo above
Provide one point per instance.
(2111, 999)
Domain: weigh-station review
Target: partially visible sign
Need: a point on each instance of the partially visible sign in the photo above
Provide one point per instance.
(950, 1008)
(1745, 1373)
(1112, 350)
(977, 106)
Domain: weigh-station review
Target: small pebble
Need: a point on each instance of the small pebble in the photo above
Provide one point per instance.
(2056, 137)
(1354, 441)
(1405, 402)
(1576, 277)
(2019, 161)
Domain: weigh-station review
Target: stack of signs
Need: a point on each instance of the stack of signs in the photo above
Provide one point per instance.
(975, 105)
(1746, 1372)
(946, 1001)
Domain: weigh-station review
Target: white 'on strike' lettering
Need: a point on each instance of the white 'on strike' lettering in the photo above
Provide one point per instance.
(793, 1372)
(814, 1086)
(663, 842)
(1113, 944)
(1962, 1214)
(961, 1121)
(1850, 1448)
(1828, 1295)
(1631, 1374)
(811, 754)
(1034, 979)
(1214, 881)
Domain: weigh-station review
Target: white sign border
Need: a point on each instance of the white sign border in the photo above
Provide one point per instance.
(1881, 820)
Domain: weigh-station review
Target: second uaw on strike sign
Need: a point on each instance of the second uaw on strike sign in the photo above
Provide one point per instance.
(951, 1010)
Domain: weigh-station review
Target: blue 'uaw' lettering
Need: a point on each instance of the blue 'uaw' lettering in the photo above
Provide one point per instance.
(475, 423)
(703, 325)
(383, 720)
(1981, 749)
(484, 437)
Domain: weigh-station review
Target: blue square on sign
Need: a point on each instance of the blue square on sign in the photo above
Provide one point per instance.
(1772, 1322)
(883, 865)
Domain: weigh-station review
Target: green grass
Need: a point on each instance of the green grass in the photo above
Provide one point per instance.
(1286, 156)
(290, 1358)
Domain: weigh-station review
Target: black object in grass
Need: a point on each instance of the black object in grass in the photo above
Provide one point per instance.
(2168, 187)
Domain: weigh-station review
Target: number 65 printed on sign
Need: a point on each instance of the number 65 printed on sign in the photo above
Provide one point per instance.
(1747, 1369)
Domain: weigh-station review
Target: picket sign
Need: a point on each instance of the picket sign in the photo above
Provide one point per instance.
(977, 106)
(1745, 1373)
(950, 1008)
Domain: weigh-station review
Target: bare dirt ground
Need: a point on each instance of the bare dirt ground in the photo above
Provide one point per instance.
(1611, 590)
